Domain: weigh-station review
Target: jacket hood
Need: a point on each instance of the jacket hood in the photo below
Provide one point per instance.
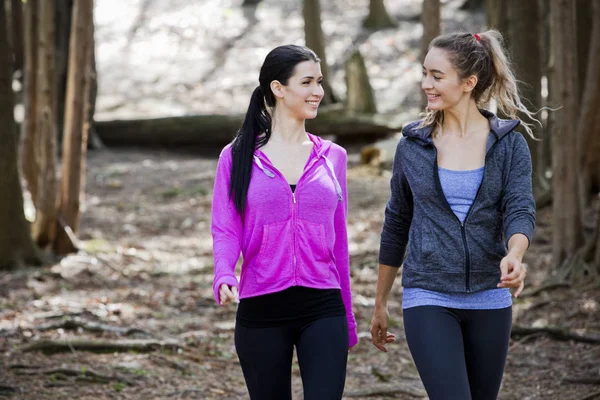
(321, 146)
(499, 127)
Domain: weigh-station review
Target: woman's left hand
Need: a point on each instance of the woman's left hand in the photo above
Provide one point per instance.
(513, 274)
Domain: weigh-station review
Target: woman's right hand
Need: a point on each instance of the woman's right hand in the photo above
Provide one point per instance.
(379, 328)
(228, 294)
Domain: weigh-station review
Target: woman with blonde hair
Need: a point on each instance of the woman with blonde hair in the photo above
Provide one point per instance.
(462, 210)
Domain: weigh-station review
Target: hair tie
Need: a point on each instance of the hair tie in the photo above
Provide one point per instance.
(477, 37)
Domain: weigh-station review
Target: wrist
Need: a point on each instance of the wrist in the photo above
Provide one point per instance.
(380, 304)
(517, 254)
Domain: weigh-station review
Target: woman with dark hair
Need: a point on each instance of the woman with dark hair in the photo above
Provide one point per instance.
(280, 199)
(462, 209)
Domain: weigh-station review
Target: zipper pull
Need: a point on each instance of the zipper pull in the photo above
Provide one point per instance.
(294, 197)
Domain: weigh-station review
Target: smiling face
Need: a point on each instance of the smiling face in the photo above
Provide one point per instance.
(301, 96)
(441, 83)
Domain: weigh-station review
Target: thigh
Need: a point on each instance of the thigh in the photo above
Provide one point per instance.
(266, 358)
(435, 341)
(322, 349)
(486, 334)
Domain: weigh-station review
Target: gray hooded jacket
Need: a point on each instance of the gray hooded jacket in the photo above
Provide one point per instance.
(443, 254)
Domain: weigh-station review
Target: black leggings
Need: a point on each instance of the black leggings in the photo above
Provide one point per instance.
(460, 354)
(266, 358)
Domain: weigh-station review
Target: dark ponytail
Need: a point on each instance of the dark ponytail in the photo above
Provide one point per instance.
(255, 132)
(257, 121)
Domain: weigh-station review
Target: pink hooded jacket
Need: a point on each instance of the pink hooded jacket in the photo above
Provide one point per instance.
(286, 238)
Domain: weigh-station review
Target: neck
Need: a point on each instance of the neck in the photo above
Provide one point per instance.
(287, 129)
(462, 119)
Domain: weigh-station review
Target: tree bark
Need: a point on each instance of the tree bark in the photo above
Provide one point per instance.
(568, 235)
(584, 29)
(64, 11)
(588, 127)
(16, 18)
(359, 94)
(525, 19)
(16, 246)
(545, 156)
(472, 5)
(313, 33)
(30, 163)
(497, 16)
(75, 126)
(44, 227)
(218, 130)
(597, 253)
(378, 17)
(430, 19)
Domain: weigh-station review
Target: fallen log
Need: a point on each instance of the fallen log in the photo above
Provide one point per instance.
(553, 332)
(387, 390)
(82, 372)
(100, 346)
(75, 323)
(218, 130)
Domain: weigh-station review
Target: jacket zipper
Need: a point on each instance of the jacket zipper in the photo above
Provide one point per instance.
(294, 212)
(295, 209)
(463, 230)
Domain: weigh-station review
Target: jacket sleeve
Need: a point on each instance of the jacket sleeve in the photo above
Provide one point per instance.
(518, 204)
(226, 227)
(398, 214)
(340, 251)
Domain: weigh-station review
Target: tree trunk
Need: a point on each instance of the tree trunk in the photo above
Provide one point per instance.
(430, 19)
(527, 58)
(359, 94)
(545, 156)
(472, 5)
(315, 41)
(16, 22)
(378, 17)
(588, 127)
(251, 2)
(16, 246)
(497, 16)
(30, 163)
(94, 141)
(568, 232)
(75, 126)
(218, 130)
(597, 254)
(44, 227)
(64, 11)
(584, 29)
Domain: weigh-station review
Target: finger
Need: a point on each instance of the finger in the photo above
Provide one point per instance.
(226, 294)
(376, 338)
(517, 281)
(514, 273)
(390, 338)
(236, 295)
(380, 347)
(520, 289)
(503, 268)
(224, 299)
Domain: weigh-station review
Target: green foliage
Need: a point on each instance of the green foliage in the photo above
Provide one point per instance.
(118, 387)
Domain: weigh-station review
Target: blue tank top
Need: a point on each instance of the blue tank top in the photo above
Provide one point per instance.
(460, 189)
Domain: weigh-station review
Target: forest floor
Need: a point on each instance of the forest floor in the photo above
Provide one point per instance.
(144, 274)
(140, 288)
